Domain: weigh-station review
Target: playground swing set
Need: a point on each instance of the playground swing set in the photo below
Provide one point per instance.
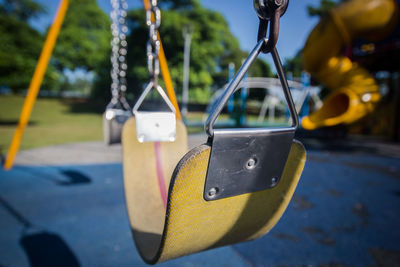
(233, 188)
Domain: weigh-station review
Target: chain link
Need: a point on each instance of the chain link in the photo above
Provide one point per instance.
(119, 51)
(153, 21)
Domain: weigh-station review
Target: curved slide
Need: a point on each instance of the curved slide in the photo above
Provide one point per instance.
(355, 92)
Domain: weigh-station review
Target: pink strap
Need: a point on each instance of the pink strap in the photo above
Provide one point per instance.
(160, 173)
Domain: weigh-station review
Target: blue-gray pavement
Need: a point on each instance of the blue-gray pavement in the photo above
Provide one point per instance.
(345, 212)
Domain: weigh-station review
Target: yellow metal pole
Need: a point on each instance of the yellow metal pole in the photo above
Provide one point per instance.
(165, 71)
(36, 82)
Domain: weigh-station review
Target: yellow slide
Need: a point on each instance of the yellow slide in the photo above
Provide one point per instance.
(355, 92)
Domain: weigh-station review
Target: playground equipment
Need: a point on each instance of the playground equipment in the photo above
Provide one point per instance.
(233, 188)
(355, 92)
(118, 110)
(274, 97)
(36, 81)
(38, 78)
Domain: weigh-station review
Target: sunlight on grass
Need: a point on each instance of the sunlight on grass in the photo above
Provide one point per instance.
(51, 123)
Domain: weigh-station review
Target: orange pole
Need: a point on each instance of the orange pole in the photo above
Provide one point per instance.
(36, 82)
(165, 71)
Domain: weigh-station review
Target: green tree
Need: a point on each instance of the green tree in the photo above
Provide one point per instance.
(84, 39)
(20, 45)
(179, 4)
(213, 48)
(294, 65)
(22, 10)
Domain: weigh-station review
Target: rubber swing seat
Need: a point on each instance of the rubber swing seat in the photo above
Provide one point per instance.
(169, 226)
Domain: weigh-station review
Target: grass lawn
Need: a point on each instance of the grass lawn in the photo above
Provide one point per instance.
(52, 122)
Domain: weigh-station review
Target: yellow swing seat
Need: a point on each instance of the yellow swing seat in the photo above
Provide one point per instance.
(184, 222)
(231, 189)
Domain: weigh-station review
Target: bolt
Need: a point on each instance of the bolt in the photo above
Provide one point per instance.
(274, 180)
(213, 192)
(251, 163)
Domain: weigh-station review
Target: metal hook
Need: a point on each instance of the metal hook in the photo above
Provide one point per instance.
(270, 11)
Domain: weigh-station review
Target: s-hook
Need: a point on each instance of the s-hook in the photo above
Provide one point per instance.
(269, 11)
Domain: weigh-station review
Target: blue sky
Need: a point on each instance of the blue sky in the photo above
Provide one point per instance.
(242, 20)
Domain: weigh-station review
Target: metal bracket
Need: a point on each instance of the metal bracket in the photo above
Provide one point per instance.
(155, 126)
(118, 115)
(114, 120)
(243, 163)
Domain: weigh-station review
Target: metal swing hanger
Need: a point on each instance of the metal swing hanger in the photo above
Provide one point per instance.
(264, 45)
(251, 159)
(154, 126)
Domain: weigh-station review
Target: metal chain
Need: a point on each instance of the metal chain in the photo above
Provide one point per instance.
(119, 52)
(153, 45)
(153, 21)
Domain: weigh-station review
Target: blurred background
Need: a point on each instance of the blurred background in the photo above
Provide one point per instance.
(340, 57)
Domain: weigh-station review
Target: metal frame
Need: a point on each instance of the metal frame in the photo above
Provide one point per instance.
(233, 86)
(147, 91)
(158, 126)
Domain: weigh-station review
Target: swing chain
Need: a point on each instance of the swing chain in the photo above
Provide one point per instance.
(153, 21)
(269, 12)
(119, 45)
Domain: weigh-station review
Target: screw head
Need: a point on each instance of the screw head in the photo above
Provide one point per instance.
(274, 181)
(212, 193)
(251, 163)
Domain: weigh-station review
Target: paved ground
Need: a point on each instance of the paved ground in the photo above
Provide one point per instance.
(345, 213)
(82, 153)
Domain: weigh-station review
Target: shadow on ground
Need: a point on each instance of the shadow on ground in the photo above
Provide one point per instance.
(42, 248)
(4, 122)
(84, 105)
(46, 249)
(74, 178)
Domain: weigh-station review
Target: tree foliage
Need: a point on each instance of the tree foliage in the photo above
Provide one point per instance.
(22, 10)
(84, 39)
(179, 4)
(294, 65)
(213, 48)
(20, 45)
(84, 43)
